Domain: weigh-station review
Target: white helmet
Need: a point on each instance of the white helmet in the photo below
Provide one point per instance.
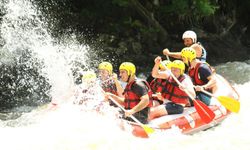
(190, 34)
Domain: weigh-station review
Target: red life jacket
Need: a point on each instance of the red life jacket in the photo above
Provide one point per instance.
(132, 99)
(158, 85)
(109, 86)
(174, 93)
(194, 74)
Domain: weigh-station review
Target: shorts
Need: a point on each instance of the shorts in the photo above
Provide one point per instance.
(173, 108)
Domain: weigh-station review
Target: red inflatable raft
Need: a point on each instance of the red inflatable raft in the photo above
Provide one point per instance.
(189, 121)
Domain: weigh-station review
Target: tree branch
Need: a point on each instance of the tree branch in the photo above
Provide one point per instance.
(149, 17)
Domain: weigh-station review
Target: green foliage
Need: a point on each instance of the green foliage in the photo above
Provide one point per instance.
(122, 3)
(188, 7)
(204, 8)
(128, 27)
(134, 23)
(176, 6)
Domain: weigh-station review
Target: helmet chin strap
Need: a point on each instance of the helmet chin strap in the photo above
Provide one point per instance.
(128, 78)
(188, 63)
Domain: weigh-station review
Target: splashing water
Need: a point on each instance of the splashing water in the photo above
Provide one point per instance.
(81, 126)
(26, 41)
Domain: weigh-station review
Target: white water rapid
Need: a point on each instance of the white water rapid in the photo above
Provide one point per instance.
(72, 127)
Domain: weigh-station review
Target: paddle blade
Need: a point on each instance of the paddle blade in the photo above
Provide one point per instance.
(229, 103)
(148, 129)
(206, 114)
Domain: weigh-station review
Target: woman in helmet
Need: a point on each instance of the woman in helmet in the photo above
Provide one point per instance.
(108, 79)
(158, 85)
(190, 39)
(137, 94)
(200, 72)
(175, 95)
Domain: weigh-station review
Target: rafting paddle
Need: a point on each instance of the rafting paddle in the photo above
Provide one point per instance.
(146, 128)
(206, 114)
(228, 102)
(167, 57)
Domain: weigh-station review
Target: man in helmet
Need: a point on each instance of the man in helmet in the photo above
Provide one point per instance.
(108, 80)
(158, 85)
(190, 39)
(137, 96)
(200, 72)
(175, 95)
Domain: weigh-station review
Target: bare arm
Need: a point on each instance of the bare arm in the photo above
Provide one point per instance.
(211, 83)
(172, 54)
(198, 49)
(155, 71)
(119, 88)
(142, 104)
(118, 85)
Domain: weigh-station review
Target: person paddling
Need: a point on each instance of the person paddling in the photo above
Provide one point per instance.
(190, 39)
(201, 74)
(175, 95)
(137, 95)
(158, 85)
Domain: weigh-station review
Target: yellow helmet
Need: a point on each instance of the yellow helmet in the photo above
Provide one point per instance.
(106, 66)
(188, 53)
(129, 67)
(178, 64)
(167, 63)
(88, 76)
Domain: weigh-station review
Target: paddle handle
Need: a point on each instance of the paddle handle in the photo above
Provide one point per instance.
(206, 92)
(167, 57)
(122, 108)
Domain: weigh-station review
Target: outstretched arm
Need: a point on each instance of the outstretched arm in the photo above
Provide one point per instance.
(155, 71)
(176, 55)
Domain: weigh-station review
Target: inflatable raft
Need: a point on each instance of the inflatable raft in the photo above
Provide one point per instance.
(189, 121)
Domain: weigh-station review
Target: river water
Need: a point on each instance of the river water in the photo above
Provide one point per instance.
(72, 127)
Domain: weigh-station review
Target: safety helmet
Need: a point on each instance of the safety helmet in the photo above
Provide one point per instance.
(88, 76)
(190, 34)
(106, 66)
(178, 64)
(129, 67)
(167, 63)
(188, 53)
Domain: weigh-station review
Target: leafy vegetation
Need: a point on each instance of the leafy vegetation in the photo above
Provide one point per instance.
(136, 30)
